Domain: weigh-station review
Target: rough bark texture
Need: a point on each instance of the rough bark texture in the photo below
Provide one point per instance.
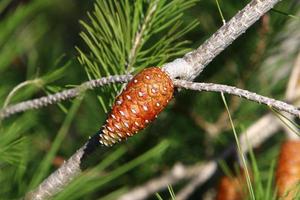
(61, 96)
(58, 179)
(212, 87)
(194, 62)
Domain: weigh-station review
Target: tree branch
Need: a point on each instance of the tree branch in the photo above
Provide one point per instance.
(186, 68)
(193, 63)
(212, 87)
(61, 96)
(58, 179)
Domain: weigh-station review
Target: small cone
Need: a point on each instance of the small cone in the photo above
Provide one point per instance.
(288, 170)
(233, 188)
(229, 189)
(144, 97)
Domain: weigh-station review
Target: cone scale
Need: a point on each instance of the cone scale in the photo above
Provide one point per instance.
(144, 97)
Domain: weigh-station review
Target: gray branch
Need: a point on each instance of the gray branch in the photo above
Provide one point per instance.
(193, 63)
(212, 87)
(58, 179)
(229, 32)
(61, 96)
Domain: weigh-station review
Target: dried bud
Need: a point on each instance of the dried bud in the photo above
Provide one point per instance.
(288, 170)
(144, 97)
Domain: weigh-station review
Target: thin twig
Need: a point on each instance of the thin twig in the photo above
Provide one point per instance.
(212, 87)
(61, 96)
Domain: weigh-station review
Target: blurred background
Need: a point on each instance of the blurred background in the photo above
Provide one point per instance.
(44, 48)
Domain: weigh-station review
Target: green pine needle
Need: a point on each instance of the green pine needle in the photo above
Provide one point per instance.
(122, 38)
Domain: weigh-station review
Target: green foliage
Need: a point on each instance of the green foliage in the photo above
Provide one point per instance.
(123, 38)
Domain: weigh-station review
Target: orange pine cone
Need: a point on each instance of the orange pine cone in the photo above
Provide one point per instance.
(230, 188)
(144, 97)
(288, 170)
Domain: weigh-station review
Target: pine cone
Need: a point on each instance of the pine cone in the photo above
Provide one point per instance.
(288, 170)
(229, 189)
(233, 188)
(144, 97)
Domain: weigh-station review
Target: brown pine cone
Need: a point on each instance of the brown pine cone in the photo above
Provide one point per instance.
(144, 97)
(234, 188)
(288, 170)
(230, 188)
